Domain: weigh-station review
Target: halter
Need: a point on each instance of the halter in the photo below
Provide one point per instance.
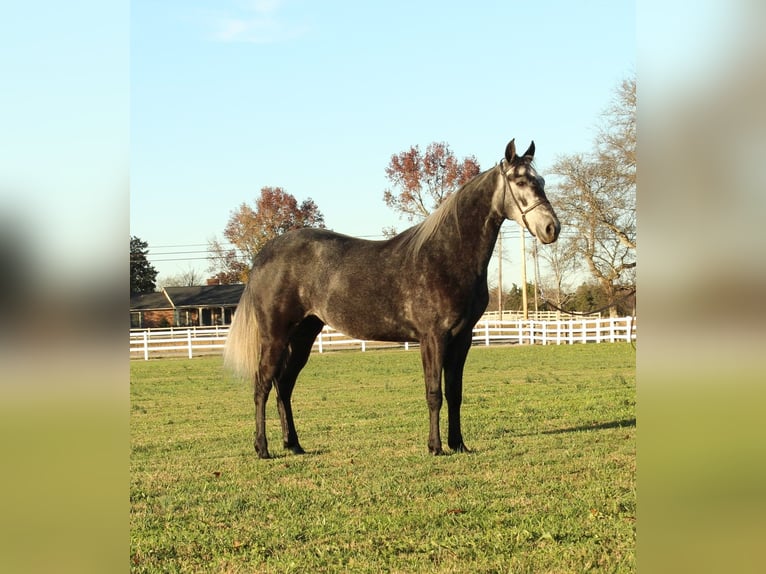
(516, 201)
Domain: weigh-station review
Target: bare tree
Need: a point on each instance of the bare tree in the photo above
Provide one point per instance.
(596, 197)
(561, 263)
(616, 139)
(189, 278)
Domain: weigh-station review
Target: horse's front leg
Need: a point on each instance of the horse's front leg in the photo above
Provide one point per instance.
(432, 355)
(454, 361)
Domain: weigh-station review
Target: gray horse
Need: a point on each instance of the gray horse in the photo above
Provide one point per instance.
(427, 284)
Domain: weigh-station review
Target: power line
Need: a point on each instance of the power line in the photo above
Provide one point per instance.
(507, 234)
(156, 253)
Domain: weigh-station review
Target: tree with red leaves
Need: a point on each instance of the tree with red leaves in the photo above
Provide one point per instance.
(250, 228)
(422, 181)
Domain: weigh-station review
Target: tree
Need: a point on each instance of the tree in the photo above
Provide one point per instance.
(188, 278)
(249, 228)
(422, 182)
(616, 139)
(561, 262)
(142, 273)
(596, 197)
(589, 297)
(513, 298)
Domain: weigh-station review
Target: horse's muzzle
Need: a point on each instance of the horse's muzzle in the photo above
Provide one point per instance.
(551, 232)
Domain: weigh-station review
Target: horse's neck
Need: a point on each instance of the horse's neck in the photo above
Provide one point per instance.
(473, 233)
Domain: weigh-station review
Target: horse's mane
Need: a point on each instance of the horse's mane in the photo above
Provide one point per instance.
(414, 238)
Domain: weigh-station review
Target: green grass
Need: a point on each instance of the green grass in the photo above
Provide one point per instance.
(549, 486)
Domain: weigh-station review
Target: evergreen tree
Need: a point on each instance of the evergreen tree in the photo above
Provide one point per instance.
(142, 273)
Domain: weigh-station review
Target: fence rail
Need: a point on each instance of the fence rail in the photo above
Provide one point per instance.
(511, 315)
(191, 341)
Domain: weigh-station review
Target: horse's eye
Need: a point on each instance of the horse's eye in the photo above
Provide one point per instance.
(521, 183)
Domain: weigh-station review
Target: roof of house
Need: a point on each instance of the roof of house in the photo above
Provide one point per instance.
(205, 295)
(180, 297)
(147, 301)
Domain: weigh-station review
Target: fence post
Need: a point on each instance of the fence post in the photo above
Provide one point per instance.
(146, 345)
(486, 333)
(189, 341)
(364, 346)
(320, 341)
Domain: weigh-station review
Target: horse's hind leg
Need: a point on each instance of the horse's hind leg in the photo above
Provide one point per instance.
(268, 370)
(298, 353)
(261, 395)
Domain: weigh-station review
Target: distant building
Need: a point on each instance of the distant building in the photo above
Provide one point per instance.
(204, 305)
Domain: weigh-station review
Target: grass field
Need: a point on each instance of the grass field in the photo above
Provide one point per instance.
(549, 486)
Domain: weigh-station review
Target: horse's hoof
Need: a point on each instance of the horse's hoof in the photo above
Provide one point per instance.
(296, 449)
(460, 448)
(262, 452)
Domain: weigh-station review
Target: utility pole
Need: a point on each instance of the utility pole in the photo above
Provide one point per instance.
(524, 311)
(537, 270)
(500, 274)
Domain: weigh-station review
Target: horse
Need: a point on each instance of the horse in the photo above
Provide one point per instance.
(428, 284)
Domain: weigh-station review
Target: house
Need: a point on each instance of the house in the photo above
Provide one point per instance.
(151, 310)
(203, 305)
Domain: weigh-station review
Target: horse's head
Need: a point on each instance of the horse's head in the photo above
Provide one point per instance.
(523, 193)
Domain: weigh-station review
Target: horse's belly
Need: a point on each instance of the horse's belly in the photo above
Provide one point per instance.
(366, 318)
(368, 325)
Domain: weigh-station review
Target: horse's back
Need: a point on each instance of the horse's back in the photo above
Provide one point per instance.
(349, 283)
(373, 290)
(294, 262)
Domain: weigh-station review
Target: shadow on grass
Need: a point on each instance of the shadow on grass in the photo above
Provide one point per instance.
(624, 423)
(286, 454)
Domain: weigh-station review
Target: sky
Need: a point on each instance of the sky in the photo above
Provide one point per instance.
(229, 96)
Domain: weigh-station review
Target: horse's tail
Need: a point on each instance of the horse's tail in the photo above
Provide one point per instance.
(241, 353)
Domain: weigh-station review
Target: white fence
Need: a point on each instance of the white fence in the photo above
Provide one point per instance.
(177, 341)
(210, 340)
(511, 315)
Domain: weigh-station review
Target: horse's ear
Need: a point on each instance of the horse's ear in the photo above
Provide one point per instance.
(530, 153)
(510, 151)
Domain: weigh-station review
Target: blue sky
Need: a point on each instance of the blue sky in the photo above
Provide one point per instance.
(229, 96)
